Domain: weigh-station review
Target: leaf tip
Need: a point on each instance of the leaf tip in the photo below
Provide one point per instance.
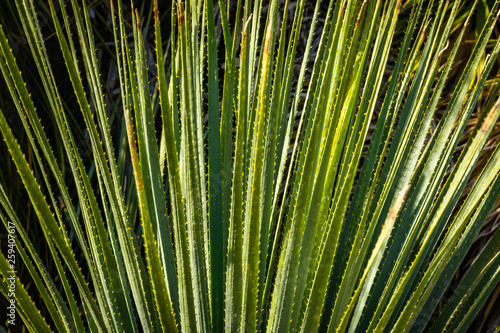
(155, 9)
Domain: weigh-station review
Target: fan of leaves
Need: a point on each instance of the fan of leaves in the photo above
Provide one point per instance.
(302, 196)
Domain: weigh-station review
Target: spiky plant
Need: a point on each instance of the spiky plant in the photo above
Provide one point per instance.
(259, 208)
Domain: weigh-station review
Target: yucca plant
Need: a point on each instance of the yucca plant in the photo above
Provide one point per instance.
(276, 190)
